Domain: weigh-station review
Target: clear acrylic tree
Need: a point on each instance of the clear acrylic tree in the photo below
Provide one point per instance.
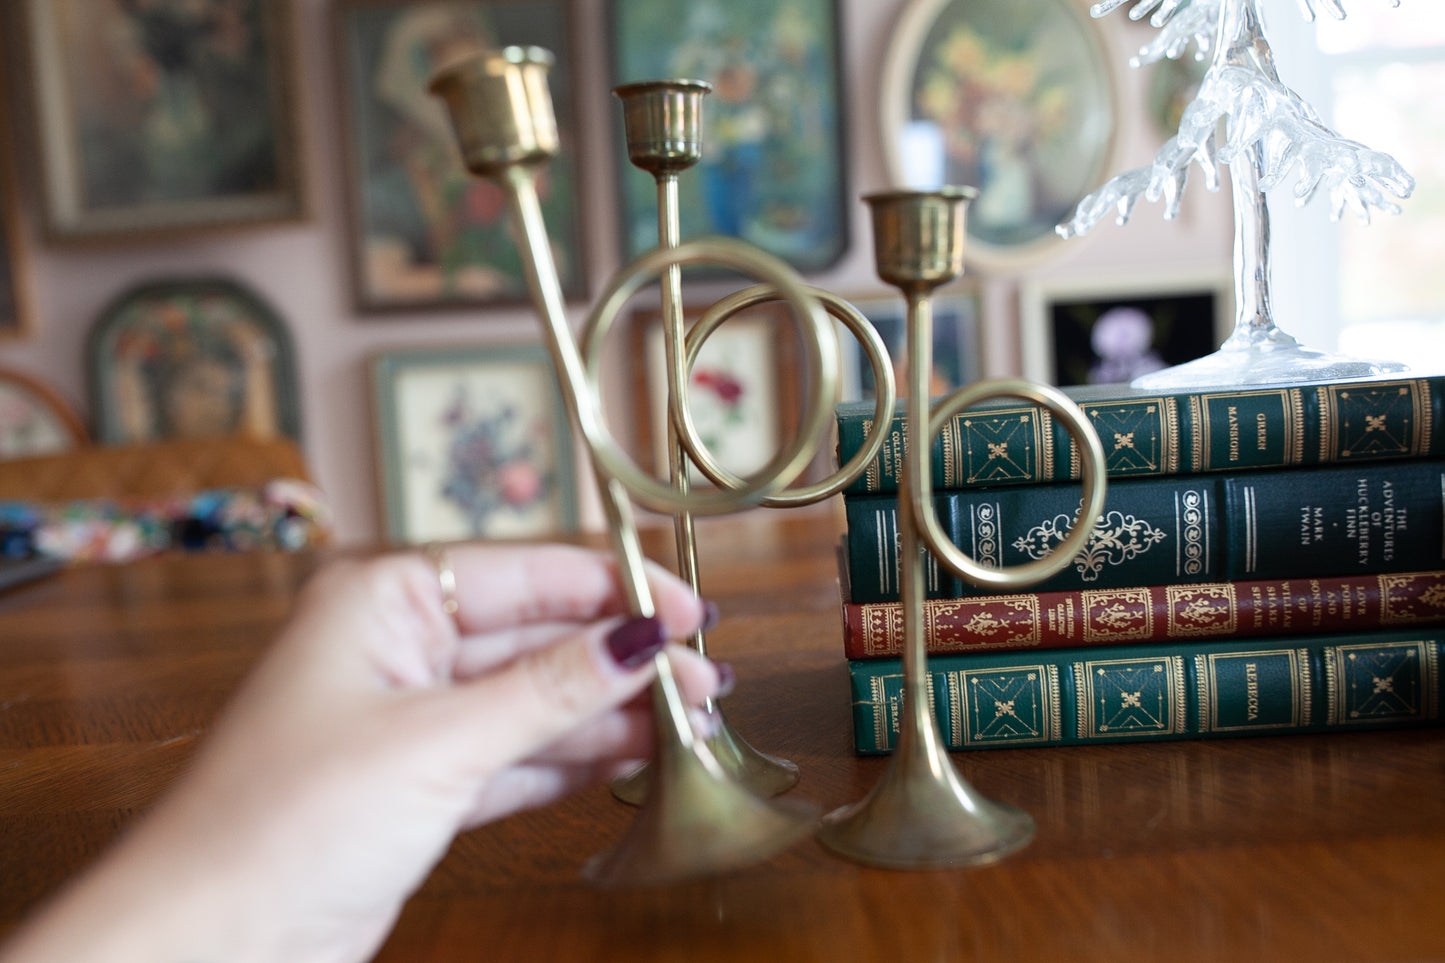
(1245, 119)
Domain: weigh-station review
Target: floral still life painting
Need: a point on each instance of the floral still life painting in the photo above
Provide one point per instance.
(771, 168)
(164, 114)
(473, 443)
(425, 232)
(1015, 99)
(187, 358)
(742, 406)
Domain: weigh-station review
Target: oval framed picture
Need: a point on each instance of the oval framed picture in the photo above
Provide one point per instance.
(1015, 99)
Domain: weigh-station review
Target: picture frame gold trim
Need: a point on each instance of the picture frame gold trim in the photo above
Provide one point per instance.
(471, 441)
(1039, 130)
(191, 357)
(422, 232)
(127, 147)
(744, 406)
(774, 169)
(1183, 288)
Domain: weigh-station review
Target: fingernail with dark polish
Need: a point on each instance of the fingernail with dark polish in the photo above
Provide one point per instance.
(727, 680)
(709, 614)
(635, 641)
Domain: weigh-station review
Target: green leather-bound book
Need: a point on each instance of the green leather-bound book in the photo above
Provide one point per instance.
(1282, 685)
(1151, 434)
(1385, 517)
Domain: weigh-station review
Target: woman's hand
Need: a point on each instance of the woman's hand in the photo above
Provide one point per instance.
(374, 730)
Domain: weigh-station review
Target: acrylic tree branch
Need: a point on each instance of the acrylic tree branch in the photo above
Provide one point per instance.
(1242, 89)
(1268, 135)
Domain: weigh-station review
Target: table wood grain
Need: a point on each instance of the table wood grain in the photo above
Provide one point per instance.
(1283, 848)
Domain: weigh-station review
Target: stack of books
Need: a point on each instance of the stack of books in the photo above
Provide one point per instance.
(1269, 560)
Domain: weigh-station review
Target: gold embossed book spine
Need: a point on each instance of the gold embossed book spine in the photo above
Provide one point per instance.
(1152, 613)
(1149, 434)
(1100, 694)
(1319, 522)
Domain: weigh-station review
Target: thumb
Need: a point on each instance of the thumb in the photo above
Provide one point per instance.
(513, 713)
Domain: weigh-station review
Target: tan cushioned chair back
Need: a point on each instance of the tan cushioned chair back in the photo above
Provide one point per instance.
(150, 470)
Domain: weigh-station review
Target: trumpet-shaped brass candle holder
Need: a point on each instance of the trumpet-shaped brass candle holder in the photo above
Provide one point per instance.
(662, 121)
(697, 819)
(703, 806)
(922, 813)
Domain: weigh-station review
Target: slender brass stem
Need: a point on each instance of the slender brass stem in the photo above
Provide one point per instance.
(922, 813)
(669, 234)
(919, 338)
(545, 288)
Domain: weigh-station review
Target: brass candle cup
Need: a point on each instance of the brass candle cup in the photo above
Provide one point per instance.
(500, 108)
(662, 123)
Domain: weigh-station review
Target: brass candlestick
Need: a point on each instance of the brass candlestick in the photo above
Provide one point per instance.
(697, 819)
(662, 121)
(923, 813)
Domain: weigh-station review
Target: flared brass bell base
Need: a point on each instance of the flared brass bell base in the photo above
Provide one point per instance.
(931, 822)
(758, 772)
(701, 825)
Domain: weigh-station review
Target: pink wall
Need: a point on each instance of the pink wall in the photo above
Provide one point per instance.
(301, 269)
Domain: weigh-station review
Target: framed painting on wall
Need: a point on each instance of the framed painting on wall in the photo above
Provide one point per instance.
(164, 115)
(743, 402)
(472, 442)
(34, 420)
(15, 320)
(424, 231)
(1015, 99)
(1110, 330)
(193, 358)
(956, 313)
(772, 169)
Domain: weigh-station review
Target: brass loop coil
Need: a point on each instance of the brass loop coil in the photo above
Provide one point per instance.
(873, 348)
(920, 485)
(820, 346)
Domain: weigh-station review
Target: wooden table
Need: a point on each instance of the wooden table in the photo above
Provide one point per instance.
(1288, 848)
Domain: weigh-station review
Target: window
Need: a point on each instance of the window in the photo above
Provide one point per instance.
(1377, 77)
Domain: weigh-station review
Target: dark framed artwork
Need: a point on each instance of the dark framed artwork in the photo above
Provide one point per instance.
(15, 304)
(772, 170)
(424, 231)
(744, 397)
(472, 441)
(188, 358)
(1015, 99)
(957, 310)
(1110, 330)
(164, 115)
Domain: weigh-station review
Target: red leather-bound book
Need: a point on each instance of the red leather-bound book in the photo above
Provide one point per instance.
(1154, 613)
